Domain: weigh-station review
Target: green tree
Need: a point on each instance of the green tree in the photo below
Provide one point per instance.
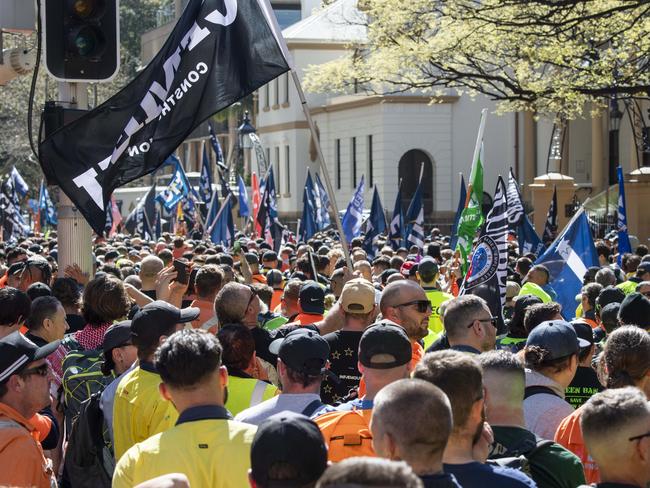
(547, 56)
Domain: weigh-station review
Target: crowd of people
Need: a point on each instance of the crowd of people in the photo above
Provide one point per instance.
(182, 363)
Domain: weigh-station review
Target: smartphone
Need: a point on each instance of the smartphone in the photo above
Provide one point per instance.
(182, 270)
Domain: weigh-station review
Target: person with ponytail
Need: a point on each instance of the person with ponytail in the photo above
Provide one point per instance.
(624, 362)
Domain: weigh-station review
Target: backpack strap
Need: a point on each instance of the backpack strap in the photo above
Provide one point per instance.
(309, 410)
(541, 444)
(538, 389)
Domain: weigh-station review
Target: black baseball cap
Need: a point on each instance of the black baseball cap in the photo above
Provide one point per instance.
(312, 297)
(557, 337)
(583, 331)
(17, 351)
(269, 256)
(252, 258)
(156, 318)
(302, 350)
(273, 277)
(635, 310)
(288, 438)
(117, 335)
(385, 339)
(643, 267)
(428, 268)
(522, 302)
(610, 294)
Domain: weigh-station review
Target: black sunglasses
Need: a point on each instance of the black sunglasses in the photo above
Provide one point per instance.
(639, 437)
(493, 320)
(253, 295)
(422, 305)
(39, 370)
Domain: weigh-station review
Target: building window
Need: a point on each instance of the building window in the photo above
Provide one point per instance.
(370, 168)
(285, 88)
(286, 13)
(287, 172)
(278, 178)
(645, 147)
(353, 157)
(337, 160)
(266, 91)
(276, 92)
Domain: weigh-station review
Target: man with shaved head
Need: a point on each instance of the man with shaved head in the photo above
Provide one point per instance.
(551, 466)
(616, 429)
(149, 269)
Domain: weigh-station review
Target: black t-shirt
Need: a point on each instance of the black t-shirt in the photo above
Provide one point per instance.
(440, 480)
(585, 384)
(264, 337)
(150, 293)
(344, 355)
(75, 322)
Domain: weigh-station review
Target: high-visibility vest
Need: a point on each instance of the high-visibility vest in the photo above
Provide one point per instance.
(244, 393)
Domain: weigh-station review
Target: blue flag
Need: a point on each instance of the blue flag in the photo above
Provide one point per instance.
(178, 188)
(308, 225)
(244, 210)
(141, 225)
(46, 207)
(322, 201)
(459, 211)
(529, 241)
(351, 222)
(377, 224)
(158, 226)
(550, 228)
(624, 245)
(415, 220)
(205, 181)
(222, 230)
(214, 140)
(20, 186)
(396, 230)
(567, 260)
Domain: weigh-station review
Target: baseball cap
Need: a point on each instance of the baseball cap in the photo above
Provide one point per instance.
(358, 296)
(643, 267)
(558, 337)
(635, 310)
(16, 352)
(155, 318)
(522, 302)
(117, 335)
(428, 268)
(408, 269)
(608, 295)
(583, 331)
(312, 297)
(251, 258)
(288, 438)
(302, 350)
(269, 256)
(273, 277)
(384, 345)
(512, 289)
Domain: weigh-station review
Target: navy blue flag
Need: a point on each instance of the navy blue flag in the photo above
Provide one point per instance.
(624, 245)
(488, 269)
(20, 186)
(376, 225)
(244, 209)
(179, 187)
(222, 230)
(567, 260)
(322, 204)
(308, 225)
(529, 241)
(459, 211)
(47, 208)
(218, 52)
(205, 181)
(396, 230)
(267, 215)
(353, 217)
(415, 220)
(158, 226)
(214, 140)
(142, 227)
(550, 228)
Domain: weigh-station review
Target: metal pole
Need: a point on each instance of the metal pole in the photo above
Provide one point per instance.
(73, 232)
(321, 161)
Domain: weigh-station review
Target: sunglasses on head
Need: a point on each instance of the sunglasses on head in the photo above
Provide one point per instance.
(422, 305)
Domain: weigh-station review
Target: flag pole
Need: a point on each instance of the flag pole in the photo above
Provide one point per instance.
(323, 165)
(477, 150)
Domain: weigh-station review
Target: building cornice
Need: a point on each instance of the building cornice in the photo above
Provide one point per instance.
(346, 103)
(298, 124)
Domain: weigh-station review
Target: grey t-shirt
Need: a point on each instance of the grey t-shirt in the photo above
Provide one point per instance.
(293, 402)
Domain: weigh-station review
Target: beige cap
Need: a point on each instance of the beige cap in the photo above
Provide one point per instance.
(358, 296)
(512, 290)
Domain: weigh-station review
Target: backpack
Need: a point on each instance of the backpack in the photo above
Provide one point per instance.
(519, 457)
(347, 434)
(82, 376)
(88, 460)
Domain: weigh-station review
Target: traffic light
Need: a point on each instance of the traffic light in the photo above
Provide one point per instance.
(81, 39)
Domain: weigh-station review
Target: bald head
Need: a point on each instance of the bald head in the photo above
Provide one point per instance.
(231, 303)
(504, 379)
(399, 292)
(150, 266)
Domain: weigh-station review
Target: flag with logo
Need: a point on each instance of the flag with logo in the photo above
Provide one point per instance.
(550, 228)
(396, 229)
(471, 217)
(268, 213)
(488, 269)
(515, 203)
(624, 245)
(46, 208)
(459, 211)
(222, 230)
(352, 219)
(529, 241)
(218, 52)
(214, 140)
(19, 184)
(323, 204)
(567, 260)
(376, 225)
(415, 219)
(178, 188)
(205, 181)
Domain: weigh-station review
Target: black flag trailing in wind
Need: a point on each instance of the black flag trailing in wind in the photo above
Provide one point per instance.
(488, 271)
(219, 52)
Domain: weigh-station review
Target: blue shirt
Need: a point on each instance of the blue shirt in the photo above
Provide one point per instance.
(439, 480)
(356, 404)
(487, 476)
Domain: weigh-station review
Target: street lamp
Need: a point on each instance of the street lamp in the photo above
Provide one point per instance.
(615, 117)
(245, 142)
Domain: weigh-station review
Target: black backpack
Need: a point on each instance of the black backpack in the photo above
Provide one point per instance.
(519, 457)
(88, 458)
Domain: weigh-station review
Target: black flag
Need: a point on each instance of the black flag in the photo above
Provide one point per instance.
(488, 271)
(550, 228)
(219, 52)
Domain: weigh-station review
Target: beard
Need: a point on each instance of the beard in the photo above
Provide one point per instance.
(479, 428)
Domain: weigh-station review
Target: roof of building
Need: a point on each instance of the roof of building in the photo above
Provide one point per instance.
(340, 22)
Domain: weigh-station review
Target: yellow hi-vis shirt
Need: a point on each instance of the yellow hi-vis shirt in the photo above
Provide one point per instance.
(139, 411)
(244, 393)
(212, 451)
(534, 289)
(437, 298)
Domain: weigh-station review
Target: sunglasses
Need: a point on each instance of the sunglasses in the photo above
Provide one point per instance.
(493, 320)
(39, 370)
(639, 437)
(253, 295)
(422, 305)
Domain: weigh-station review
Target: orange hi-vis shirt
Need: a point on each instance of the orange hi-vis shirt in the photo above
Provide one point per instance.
(569, 435)
(417, 351)
(276, 298)
(207, 319)
(21, 455)
(303, 319)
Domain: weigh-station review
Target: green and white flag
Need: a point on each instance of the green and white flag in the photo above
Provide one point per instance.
(471, 217)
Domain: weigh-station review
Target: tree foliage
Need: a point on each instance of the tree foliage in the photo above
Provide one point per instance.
(547, 56)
